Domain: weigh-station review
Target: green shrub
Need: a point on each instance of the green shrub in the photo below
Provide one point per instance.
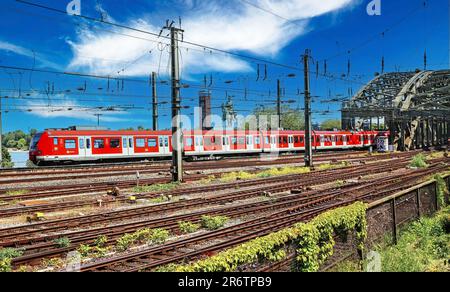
(63, 242)
(101, 241)
(419, 161)
(84, 250)
(6, 257)
(309, 239)
(420, 246)
(125, 242)
(5, 265)
(441, 190)
(214, 223)
(158, 236)
(188, 227)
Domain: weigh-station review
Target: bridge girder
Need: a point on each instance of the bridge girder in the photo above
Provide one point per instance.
(405, 101)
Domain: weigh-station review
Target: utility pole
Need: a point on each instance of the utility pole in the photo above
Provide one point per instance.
(308, 123)
(177, 152)
(279, 103)
(98, 119)
(154, 102)
(1, 133)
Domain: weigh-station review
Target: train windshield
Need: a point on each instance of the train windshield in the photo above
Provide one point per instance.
(35, 141)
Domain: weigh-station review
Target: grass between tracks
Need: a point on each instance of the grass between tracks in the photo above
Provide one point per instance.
(423, 246)
(17, 192)
(156, 188)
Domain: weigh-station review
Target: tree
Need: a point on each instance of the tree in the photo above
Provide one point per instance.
(11, 144)
(6, 158)
(22, 144)
(331, 125)
(291, 119)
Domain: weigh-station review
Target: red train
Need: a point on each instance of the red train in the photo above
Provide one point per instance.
(84, 145)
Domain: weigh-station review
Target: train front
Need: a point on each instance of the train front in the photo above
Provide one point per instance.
(35, 151)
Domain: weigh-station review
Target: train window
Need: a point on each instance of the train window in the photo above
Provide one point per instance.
(70, 144)
(161, 143)
(124, 142)
(273, 140)
(267, 140)
(99, 144)
(241, 140)
(152, 142)
(257, 140)
(234, 140)
(344, 138)
(88, 143)
(166, 142)
(55, 141)
(114, 143)
(130, 142)
(285, 140)
(249, 140)
(81, 143)
(302, 139)
(296, 139)
(318, 140)
(140, 143)
(189, 142)
(224, 141)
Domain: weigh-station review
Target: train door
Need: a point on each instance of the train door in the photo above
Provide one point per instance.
(130, 145)
(125, 146)
(273, 143)
(82, 147)
(249, 142)
(164, 145)
(226, 143)
(86, 143)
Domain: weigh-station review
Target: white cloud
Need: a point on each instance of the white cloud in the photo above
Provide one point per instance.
(232, 26)
(64, 107)
(12, 48)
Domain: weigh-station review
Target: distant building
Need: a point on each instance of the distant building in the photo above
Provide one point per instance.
(205, 105)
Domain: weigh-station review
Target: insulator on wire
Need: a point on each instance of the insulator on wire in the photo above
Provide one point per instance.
(348, 68)
(425, 60)
(258, 73)
(317, 70)
(265, 72)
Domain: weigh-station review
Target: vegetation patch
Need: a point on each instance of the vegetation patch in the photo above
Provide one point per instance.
(273, 172)
(6, 257)
(188, 227)
(17, 192)
(313, 241)
(149, 236)
(422, 246)
(419, 161)
(442, 190)
(63, 242)
(214, 223)
(87, 251)
(329, 166)
(156, 188)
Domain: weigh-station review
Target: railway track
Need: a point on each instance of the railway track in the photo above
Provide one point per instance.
(229, 237)
(152, 169)
(282, 184)
(13, 172)
(397, 182)
(76, 189)
(402, 160)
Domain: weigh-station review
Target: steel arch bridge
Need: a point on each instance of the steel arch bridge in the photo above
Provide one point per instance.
(414, 106)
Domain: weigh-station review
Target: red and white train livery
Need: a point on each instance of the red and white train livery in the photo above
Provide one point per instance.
(74, 145)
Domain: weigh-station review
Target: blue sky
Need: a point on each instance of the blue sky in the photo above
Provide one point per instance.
(31, 37)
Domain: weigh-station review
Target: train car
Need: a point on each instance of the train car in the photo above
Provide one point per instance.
(85, 145)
